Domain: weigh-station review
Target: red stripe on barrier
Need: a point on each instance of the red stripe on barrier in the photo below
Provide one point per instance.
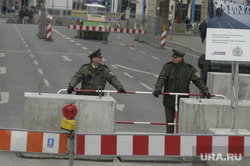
(236, 145)
(74, 26)
(108, 144)
(5, 136)
(63, 143)
(81, 27)
(204, 145)
(127, 30)
(140, 145)
(80, 144)
(172, 145)
(34, 142)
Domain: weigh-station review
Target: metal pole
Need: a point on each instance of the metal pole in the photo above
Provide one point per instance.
(71, 148)
(232, 96)
(236, 95)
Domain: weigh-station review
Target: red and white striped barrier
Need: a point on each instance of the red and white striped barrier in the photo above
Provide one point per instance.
(163, 37)
(28, 141)
(162, 145)
(105, 29)
(144, 123)
(118, 24)
(48, 32)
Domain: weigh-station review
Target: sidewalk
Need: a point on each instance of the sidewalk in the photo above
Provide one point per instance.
(191, 41)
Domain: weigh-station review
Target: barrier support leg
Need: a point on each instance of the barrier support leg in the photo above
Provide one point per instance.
(71, 137)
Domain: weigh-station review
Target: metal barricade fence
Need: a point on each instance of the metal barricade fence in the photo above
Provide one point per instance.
(175, 123)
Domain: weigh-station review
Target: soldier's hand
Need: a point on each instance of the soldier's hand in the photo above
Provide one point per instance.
(157, 92)
(70, 89)
(207, 94)
(121, 90)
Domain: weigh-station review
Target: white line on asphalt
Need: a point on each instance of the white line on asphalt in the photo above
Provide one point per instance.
(48, 53)
(78, 44)
(2, 54)
(31, 55)
(122, 44)
(128, 75)
(132, 48)
(46, 82)
(29, 50)
(139, 71)
(67, 38)
(24, 42)
(146, 86)
(142, 52)
(66, 58)
(5, 97)
(118, 37)
(85, 48)
(36, 63)
(63, 35)
(155, 57)
(40, 71)
(21, 38)
(73, 41)
(120, 107)
(3, 70)
(26, 45)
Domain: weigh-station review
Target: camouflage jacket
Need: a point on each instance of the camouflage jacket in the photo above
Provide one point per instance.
(94, 78)
(177, 78)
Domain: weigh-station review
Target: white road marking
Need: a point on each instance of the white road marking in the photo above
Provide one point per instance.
(139, 71)
(85, 48)
(2, 54)
(24, 42)
(26, 45)
(142, 52)
(120, 107)
(31, 55)
(146, 86)
(40, 71)
(78, 44)
(3, 70)
(128, 75)
(66, 58)
(73, 41)
(122, 44)
(4, 97)
(155, 57)
(46, 82)
(36, 63)
(132, 48)
(29, 50)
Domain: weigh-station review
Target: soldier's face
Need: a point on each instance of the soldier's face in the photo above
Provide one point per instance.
(97, 61)
(177, 60)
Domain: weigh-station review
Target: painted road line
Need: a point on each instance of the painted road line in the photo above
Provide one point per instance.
(142, 52)
(66, 58)
(2, 55)
(3, 70)
(128, 75)
(4, 97)
(36, 63)
(85, 48)
(146, 86)
(46, 82)
(31, 55)
(155, 57)
(40, 71)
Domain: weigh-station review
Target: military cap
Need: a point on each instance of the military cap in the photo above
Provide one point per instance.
(96, 53)
(177, 53)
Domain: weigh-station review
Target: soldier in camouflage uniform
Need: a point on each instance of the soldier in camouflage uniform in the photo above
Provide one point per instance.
(176, 77)
(94, 76)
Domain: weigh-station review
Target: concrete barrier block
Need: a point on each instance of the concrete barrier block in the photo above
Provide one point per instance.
(198, 117)
(220, 83)
(44, 112)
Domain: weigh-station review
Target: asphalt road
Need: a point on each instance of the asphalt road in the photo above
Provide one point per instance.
(27, 61)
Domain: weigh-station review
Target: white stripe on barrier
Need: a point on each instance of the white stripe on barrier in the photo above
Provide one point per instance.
(156, 145)
(124, 145)
(220, 143)
(93, 144)
(188, 144)
(18, 141)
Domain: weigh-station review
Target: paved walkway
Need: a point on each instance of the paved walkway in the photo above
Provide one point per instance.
(191, 41)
